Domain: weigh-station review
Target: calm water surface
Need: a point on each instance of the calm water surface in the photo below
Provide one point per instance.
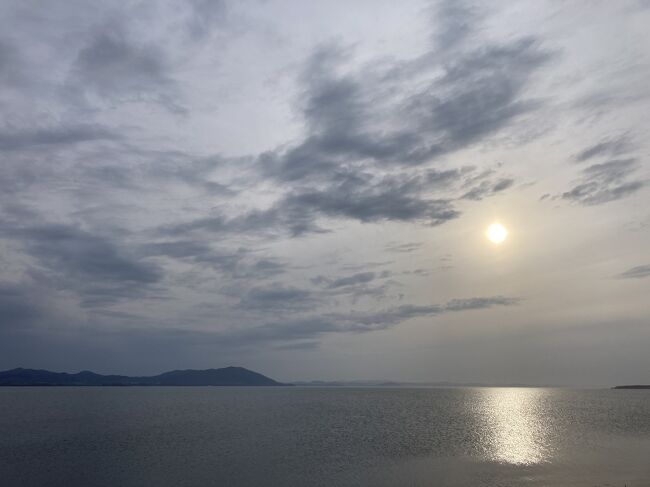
(323, 437)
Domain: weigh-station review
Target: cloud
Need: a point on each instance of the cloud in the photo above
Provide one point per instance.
(286, 331)
(195, 251)
(455, 21)
(366, 265)
(488, 188)
(385, 199)
(17, 306)
(116, 67)
(360, 322)
(306, 345)
(359, 278)
(97, 268)
(359, 197)
(204, 16)
(29, 139)
(404, 248)
(237, 264)
(605, 182)
(279, 219)
(350, 196)
(350, 131)
(11, 67)
(196, 172)
(356, 283)
(610, 148)
(637, 272)
(370, 134)
(277, 297)
(480, 303)
(264, 268)
(80, 253)
(28, 307)
(295, 333)
(478, 94)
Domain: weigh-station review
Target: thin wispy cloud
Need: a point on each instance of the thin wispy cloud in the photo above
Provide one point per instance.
(637, 272)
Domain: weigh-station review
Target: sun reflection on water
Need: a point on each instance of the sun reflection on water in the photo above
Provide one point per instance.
(515, 427)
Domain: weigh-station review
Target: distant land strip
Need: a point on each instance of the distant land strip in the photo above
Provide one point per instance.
(227, 376)
(635, 386)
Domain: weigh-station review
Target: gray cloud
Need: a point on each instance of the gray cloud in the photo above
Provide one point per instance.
(605, 182)
(277, 297)
(314, 327)
(404, 248)
(306, 345)
(17, 306)
(609, 148)
(637, 272)
(11, 67)
(239, 263)
(339, 115)
(291, 333)
(339, 169)
(114, 66)
(359, 278)
(479, 93)
(95, 267)
(204, 16)
(366, 265)
(80, 253)
(53, 136)
(195, 251)
(353, 280)
(455, 21)
(278, 219)
(264, 268)
(360, 197)
(386, 199)
(488, 188)
(178, 249)
(480, 303)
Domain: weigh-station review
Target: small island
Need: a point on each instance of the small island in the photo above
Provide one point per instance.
(636, 386)
(227, 376)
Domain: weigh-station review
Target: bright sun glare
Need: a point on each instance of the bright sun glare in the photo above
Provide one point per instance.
(496, 233)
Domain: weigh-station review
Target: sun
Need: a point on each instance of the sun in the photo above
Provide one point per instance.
(496, 233)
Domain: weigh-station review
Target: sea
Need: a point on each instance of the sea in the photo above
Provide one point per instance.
(306, 436)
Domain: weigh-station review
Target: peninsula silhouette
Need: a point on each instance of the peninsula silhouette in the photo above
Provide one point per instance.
(227, 376)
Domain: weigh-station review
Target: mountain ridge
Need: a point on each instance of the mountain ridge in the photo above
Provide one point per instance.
(226, 376)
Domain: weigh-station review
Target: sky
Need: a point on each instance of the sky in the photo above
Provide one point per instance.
(303, 188)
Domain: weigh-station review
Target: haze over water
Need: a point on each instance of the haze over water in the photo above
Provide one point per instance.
(331, 437)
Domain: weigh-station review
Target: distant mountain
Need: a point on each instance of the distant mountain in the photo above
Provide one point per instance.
(636, 386)
(228, 376)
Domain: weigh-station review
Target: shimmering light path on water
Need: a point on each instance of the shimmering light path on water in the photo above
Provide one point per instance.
(323, 437)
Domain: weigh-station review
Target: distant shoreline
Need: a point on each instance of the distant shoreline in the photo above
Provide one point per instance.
(146, 385)
(227, 376)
